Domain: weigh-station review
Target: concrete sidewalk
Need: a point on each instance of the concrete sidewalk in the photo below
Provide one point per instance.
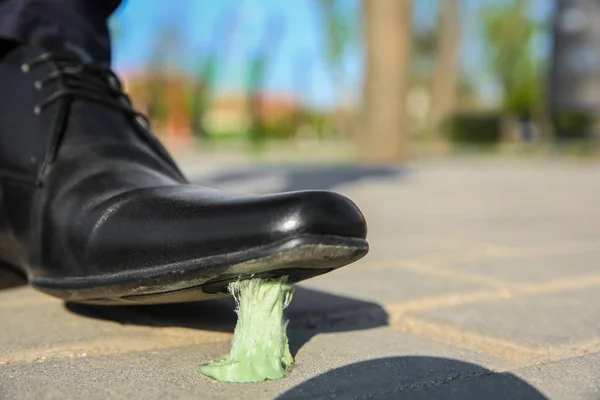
(483, 282)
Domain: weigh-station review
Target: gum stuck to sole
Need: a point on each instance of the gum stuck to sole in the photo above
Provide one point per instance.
(260, 348)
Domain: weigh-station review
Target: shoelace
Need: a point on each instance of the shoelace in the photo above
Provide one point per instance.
(93, 83)
(85, 81)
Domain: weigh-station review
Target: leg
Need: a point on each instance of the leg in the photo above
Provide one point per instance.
(82, 22)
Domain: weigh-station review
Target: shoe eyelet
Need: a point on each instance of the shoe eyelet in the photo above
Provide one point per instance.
(37, 85)
(142, 122)
(37, 110)
(25, 68)
(113, 82)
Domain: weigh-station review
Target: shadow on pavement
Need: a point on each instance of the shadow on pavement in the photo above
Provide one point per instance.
(414, 377)
(10, 278)
(310, 313)
(290, 178)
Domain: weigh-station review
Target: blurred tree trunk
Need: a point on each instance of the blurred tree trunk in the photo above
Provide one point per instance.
(445, 74)
(387, 29)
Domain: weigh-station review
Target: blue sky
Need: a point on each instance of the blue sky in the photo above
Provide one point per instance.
(239, 26)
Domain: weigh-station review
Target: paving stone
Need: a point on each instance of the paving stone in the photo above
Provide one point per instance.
(398, 247)
(173, 373)
(37, 326)
(572, 378)
(535, 269)
(394, 378)
(312, 308)
(557, 319)
(309, 309)
(447, 211)
(387, 285)
(48, 324)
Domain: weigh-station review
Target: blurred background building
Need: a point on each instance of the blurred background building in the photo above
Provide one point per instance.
(376, 80)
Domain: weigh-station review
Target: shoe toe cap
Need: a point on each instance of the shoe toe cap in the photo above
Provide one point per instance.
(168, 225)
(320, 213)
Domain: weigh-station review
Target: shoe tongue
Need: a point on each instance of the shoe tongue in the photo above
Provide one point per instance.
(59, 45)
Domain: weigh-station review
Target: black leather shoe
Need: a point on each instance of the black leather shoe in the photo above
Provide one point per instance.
(93, 209)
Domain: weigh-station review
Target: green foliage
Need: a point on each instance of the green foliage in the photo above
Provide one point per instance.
(341, 32)
(282, 129)
(424, 43)
(202, 91)
(570, 125)
(508, 33)
(257, 73)
(524, 95)
(323, 123)
(157, 102)
(474, 129)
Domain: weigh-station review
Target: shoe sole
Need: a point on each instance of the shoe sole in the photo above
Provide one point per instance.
(208, 278)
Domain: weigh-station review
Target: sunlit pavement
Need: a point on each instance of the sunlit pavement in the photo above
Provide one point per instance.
(483, 282)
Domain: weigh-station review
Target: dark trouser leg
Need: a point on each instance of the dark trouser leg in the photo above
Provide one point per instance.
(81, 22)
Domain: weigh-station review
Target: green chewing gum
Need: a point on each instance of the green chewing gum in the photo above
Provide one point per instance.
(260, 348)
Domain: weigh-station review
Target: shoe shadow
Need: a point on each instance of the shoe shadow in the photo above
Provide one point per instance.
(285, 178)
(10, 278)
(311, 312)
(413, 377)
